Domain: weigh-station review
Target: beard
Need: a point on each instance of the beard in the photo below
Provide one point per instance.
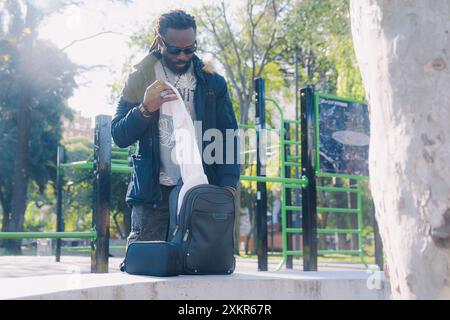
(174, 68)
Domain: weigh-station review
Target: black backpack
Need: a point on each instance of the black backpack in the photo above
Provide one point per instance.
(200, 240)
(204, 229)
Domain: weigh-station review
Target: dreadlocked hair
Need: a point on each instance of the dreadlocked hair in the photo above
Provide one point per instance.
(175, 19)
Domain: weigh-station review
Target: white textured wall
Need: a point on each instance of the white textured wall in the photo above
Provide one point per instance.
(403, 48)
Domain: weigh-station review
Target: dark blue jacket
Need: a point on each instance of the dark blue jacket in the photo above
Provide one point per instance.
(213, 107)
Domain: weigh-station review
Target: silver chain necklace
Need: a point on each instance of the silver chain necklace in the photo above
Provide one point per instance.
(167, 76)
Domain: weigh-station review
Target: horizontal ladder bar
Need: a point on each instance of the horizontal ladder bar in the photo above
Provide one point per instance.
(331, 231)
(323, 252)
(291, 142)
(338, 252)
(337, 210)
(339, 175)
(336, 189)
(117, 168)
(118, 161)
(253, 127)
(120, 153)
(294, 230)
(48, 235)
(275, 180)
(292, 164)
(324, 231)
(293, 186)
(293, 208)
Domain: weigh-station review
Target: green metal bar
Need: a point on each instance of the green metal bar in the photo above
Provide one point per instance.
(293, 186)
(78, 165)
(48, 235)
(85, 248)
(324, 231)
(118, 161)
(322, 252)
(283, 176)
(290, 158)
(253, 127)
(291, 142)
(338, 175)
(335, 189)
(294, 230)
(116, 168)
(293, 208)
(283, 193)
(275, 180)
(119, 153)
(119, 149)
(331, 231)
(292, 164)
(337, 210)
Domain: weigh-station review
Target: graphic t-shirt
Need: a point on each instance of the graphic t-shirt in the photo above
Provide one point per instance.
(185, 84)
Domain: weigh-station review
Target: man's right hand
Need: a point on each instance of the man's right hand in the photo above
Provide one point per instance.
(157, 94)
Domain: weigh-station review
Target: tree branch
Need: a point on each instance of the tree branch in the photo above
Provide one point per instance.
(228, 69)
(233, 42)
(91, 37)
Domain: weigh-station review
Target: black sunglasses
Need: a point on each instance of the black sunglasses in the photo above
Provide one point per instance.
(176, 50)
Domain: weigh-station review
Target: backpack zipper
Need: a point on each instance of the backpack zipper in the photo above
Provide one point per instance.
(186, 235)
(175, 231)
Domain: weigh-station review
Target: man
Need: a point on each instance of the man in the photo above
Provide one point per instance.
(138, 118)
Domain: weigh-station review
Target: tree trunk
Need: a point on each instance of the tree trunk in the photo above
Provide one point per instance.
(6, 211)
(6, 208)
(22, 152)
(403, 50)
(18, 202)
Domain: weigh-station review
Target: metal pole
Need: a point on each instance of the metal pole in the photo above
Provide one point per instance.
(297, 173)
(59, 189)
(261, 193)
(288, 198)
(309, 194)
(102, 181)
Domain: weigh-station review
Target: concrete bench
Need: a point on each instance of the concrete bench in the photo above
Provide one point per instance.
(282, 285)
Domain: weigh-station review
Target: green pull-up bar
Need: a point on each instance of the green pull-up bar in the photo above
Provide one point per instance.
(49, 235)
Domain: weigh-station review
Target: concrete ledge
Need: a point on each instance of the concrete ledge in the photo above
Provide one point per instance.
(239, 286)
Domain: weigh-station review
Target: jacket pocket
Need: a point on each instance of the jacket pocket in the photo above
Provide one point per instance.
(143, 188)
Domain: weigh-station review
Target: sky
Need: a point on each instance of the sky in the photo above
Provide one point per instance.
(93, 97)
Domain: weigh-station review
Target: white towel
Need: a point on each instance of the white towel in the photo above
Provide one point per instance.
(186, 149)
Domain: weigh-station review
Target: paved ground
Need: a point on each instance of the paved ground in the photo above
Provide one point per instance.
(32, 266)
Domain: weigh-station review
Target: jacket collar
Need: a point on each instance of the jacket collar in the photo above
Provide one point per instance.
(147, 65)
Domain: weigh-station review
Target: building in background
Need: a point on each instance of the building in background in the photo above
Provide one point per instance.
(79, 127)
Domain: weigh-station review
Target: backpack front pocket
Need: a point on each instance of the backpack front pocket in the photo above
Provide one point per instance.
(207, 252)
